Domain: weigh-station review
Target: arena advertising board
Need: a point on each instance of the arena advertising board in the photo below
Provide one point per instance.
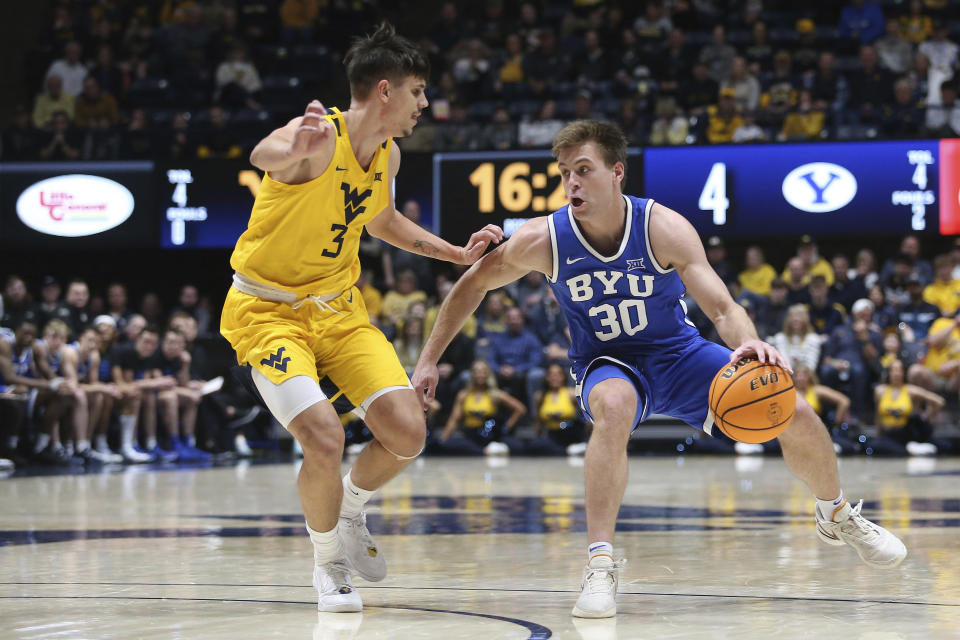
(891, 187)
(852, 188)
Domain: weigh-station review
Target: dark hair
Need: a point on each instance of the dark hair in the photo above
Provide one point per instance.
(383, 54)
(151, 328)
(609, 137)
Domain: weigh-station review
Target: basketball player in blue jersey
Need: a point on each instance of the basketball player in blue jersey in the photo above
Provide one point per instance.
(619, 266)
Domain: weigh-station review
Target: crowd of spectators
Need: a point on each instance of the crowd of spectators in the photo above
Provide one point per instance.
(876, 347)
(207, 78)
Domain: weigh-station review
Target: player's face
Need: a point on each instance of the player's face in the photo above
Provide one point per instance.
(54, 341)
(590, 185)
(407, 101)
(89, 341)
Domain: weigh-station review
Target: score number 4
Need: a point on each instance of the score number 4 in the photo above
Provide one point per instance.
(714, 195)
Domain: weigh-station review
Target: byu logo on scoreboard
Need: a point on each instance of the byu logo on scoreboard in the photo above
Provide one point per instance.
(819, 187)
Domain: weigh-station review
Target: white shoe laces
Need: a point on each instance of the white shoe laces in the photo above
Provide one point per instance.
(359, 523)
(858, 526)
(602, 579)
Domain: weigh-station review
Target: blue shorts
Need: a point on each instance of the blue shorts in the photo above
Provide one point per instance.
(673, 383)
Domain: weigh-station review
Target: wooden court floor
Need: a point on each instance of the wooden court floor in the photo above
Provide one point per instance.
(717, 547)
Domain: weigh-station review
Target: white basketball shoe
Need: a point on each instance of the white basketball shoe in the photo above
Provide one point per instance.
(598, 591)
(335, 588)
(361, 550)
(875, 545)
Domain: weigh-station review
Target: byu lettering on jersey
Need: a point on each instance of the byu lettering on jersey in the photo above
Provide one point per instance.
(628, 310)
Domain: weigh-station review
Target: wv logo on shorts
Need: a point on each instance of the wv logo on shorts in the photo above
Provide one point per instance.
(353, 202)
(276, 360)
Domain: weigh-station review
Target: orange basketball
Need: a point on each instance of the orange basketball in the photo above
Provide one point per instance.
(752, 402)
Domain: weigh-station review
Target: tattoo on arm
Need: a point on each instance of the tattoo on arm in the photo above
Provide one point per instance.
(426, 248)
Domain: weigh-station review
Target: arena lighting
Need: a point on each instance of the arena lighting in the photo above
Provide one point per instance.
(74, 205)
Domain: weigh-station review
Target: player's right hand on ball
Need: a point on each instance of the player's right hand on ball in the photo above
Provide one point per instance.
(424, 381)
(314, 129)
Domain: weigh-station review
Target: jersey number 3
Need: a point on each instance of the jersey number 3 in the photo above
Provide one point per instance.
(341, 230)
(618, 320)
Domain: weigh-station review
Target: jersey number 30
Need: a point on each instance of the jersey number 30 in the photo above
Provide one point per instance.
(618, 320)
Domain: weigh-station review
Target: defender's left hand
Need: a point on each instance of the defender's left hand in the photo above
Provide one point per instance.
(479, 242)
(762, 351)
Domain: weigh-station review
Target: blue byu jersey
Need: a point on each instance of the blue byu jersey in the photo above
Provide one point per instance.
(623, 305)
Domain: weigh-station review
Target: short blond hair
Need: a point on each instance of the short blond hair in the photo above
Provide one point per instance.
(609, 137)
(57, 328)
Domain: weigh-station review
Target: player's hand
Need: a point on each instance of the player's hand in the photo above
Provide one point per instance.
(761, 351)
(479, 242)
(424, 381)
(313, 131)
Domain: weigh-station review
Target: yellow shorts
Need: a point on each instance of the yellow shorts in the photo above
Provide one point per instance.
(339, 349)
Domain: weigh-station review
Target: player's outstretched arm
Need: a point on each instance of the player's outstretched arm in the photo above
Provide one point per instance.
(529, 249)
(393, 227)
(299, 139)
(675, 243)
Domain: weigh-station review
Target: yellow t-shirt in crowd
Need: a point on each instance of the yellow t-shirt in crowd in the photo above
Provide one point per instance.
(820, 268)
(937, 356)
(758, 280)
(945, 295)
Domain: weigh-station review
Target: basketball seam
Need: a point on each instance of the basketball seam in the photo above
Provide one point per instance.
(730, 384)
(755, 400)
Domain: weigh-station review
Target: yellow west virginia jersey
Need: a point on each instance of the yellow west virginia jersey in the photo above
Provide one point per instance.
(305, 237)
(894, 412)
(478, 408)
(556, 408)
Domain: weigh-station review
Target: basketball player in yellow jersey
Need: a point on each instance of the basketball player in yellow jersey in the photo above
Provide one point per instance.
(294, 316)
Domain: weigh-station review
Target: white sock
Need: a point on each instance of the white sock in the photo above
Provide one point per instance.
(353, 498)
(128, 431)
(82, 445)
(326, 545)
(151, 443)
(101, 442)
(599, 554)
(43, 439)
(828, 507)
(190, 441)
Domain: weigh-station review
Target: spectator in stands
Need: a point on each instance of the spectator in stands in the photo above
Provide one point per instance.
(51, 307)
(746, 88)
(769, 317)
(824, 314)
(394, 261)
(795, 276)
(398, 300)
(546, 60)
(717, 257)
(583, 106)
(559, 427)
(102, 141)
(916, 27)
(54, 100)
(17, 304)
(871, 87)
(540, 131)
(893, 50)
(475, 412)
(117, 304)
(759, 52)
(848, 355)
(943, 55)
(780, 88)
(883, 314)
(673, 63)
(219, 141)
(861, 20)
(297, 18)
(813, 263)
(448, 29)
(797, 340)
(238, 81)
(491, 26)
(911, 250)
(20, 139)
(516, 356)
(917, 313)
(78, 301)
(718, 55)
(944, 291)
(865, 268)
(723, 118)
(93, 104)
(943, 117)
(409, 342)
(151, 308)
(700, 91)
(137, 142)
(62, 141)
(845, 290)
(905, 117)
(472, 68)
(895, 284)
(901, 428)
(510, 63)
(825, 84)
(550, 326)
(654, 25)
(669, 127)
(189, 302)
(817, 395)
(500, 133)
(806, 49)
(806, 122)
(109, 76)
(458, 133)
(70, 69)
(895, 349)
